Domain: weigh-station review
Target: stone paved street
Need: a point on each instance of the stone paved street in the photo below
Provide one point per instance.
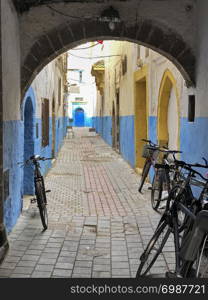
(98, 222)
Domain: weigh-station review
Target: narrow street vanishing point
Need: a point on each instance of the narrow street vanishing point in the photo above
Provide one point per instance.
(98, 222)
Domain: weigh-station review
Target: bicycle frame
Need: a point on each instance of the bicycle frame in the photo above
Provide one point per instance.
(187, 251)
(38, 177)
(180, 199)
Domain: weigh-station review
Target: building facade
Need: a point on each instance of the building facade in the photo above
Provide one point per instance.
(82, 88)
(144, 96)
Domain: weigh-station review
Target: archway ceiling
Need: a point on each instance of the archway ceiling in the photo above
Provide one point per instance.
(25, 5)
(45, 33)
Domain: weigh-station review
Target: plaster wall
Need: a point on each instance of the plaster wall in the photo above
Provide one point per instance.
(42, 18)
(11, 112)
(202, 61)
(46, 86)
(11, 59)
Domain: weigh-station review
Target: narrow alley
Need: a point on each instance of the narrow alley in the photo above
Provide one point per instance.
(98, 222)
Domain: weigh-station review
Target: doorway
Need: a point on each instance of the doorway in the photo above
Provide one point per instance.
(117, 135)
(53, 128)
(140, 120)
(79, 117)
(28, 146)
(113, 127)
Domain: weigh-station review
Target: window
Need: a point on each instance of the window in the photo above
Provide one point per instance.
(59, 91)
(79, 99)
(45, 122)
(191, 108)
(138, 51)
(146, 52)
(124, 65)
(37, 131)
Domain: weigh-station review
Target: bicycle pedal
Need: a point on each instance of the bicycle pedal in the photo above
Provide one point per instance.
(33, 200)
(172, 275)
(48, 191)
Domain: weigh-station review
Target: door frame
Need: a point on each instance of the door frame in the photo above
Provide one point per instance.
(53, 150)
(141, 114)
(168, 82)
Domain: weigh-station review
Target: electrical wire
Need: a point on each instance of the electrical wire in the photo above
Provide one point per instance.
(82, 82)
(93, 57)
(66, 15)
(85, 47)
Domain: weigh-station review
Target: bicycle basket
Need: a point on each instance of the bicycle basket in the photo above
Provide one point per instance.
(147, 151)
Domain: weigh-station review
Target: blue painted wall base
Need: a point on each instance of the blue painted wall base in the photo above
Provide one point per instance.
(13, 152)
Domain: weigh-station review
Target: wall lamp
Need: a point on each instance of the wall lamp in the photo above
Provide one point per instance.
(110, 16)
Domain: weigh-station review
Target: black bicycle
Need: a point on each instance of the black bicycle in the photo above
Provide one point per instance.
(180, 203)
(164, 178)
(150, 153)
(40, 191)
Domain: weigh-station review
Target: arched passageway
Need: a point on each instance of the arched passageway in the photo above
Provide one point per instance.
(67, 26)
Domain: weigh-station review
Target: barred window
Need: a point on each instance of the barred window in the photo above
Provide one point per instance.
(138, 51)
(146, 52)
(45, 122)
(124, 65)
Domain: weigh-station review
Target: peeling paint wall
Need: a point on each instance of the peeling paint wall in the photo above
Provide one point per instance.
(12, 147)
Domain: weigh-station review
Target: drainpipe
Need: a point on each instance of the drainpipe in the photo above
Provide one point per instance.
(4, 245)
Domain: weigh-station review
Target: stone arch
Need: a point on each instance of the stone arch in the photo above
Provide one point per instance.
(145, 32)
(29, 95)
(168, 84)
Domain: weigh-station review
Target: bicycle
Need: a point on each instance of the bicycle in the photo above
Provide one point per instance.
(161, 180)
(150, 153)
(40, 191)
(164, 178)
(179, 200)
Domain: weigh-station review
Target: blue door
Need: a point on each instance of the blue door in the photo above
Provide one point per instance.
(79, 117)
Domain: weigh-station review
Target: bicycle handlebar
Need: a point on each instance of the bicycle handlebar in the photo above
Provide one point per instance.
(189, 167)
(37, 158)
(150, 142)
(184, 165)
(165, 149)
(170, 151)
(34, 158)
(196, 165)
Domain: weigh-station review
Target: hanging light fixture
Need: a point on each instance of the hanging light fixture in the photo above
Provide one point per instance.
(110, 16)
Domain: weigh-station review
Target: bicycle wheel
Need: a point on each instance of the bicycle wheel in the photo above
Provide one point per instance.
(153, 249)
(201, 264)
(184, 199)
(145, 172)
(41, 201)
(157, 190)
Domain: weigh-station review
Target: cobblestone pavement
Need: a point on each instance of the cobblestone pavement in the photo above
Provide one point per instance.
(98, 222)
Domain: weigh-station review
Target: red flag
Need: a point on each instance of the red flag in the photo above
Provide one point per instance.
(100, 42)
